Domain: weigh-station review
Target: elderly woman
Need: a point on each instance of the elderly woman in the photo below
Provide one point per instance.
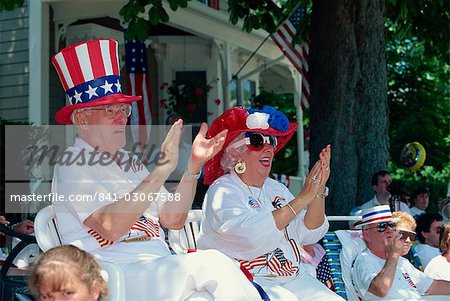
(253, 218)
(405, 226)
(439, 266)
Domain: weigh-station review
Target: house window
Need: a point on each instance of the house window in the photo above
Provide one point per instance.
(196, 79)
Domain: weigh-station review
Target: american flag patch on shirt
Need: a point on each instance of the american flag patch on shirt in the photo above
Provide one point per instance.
(254, 203)
(410, 282)
(145, 225)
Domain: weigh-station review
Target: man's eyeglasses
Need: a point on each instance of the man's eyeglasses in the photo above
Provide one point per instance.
(381, 227)
(405, 234)
(112, 111)
(256, 141)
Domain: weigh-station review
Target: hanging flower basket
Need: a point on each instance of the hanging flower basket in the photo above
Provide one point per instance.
(186, 99)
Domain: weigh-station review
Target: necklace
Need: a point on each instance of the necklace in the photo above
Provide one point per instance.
(259, 195)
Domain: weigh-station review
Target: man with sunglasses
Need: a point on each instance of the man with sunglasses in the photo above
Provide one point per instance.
(429, 227)
(380, 272)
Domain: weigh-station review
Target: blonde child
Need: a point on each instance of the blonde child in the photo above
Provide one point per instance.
(67, 273)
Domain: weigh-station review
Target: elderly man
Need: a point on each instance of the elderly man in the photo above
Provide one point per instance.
(379, 272)
(119, 206)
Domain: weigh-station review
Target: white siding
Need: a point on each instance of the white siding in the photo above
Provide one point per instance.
(14, 67)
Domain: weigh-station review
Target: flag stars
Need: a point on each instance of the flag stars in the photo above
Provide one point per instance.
(119, 86)
(77, 97)
(107, 87)
(91, 91)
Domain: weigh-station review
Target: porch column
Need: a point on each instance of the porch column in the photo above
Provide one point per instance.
(39, 53)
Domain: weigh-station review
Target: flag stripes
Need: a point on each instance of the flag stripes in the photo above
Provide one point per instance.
(138, 83)
(297, 54)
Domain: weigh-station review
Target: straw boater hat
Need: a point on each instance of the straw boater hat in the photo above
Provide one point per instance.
(375, 215)
(89, 72)
(267, 121)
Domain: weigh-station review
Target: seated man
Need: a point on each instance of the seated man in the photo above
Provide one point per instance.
(379, 272)
(421, 199)
(381, 181)
(112, 206)
(429, 227)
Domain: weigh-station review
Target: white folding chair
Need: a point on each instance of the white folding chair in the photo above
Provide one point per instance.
(47, 236)
(185, 239)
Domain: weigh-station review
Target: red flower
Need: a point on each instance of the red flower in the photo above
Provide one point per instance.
(198, 91)
(191, 107)
(217, 101)
(162, 103)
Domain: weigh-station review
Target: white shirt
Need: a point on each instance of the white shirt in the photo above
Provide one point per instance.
(238, 221)
(416, 211)
(426, 253)
(409, 283)
(99, 184)
(438, 268)
(399, 206)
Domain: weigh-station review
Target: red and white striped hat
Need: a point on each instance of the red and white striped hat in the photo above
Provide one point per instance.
(375, 215)
(90, 74)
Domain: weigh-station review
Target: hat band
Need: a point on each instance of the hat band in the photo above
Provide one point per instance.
(93, 89)
(386, 211)
(386, 217)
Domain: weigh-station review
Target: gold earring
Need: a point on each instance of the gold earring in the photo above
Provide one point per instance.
(240, 167)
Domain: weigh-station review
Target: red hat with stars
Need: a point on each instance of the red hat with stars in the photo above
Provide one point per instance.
(90, 74)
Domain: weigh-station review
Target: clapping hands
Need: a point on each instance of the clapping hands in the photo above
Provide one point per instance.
(317, 178)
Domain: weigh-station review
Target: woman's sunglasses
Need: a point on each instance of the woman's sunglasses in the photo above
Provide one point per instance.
(256, 141)
(381, 227)
(405, 234)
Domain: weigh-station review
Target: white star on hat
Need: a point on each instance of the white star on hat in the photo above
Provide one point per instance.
(119, 86)
(77, 97)
(107, 87)
(91, 91)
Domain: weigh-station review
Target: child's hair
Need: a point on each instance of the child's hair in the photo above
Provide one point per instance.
(58, 265)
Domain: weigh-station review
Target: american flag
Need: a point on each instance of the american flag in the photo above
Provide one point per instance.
(138, 83)
(324, 273)
(298, 54)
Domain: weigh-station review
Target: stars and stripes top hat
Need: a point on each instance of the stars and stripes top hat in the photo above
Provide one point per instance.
(268, 121)
(377, 214)
(90, 74)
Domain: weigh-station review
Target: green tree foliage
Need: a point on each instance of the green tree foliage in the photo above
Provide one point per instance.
(419, 98)
(10, 4)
